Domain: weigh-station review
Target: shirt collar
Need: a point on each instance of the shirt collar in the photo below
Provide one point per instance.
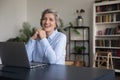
(53, 34)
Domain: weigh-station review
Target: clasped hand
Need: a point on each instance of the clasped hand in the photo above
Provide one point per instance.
(39, 34)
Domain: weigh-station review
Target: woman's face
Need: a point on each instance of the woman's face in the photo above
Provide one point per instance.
(49, 23)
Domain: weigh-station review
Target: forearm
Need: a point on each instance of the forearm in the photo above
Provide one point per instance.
(30, 48)
(55, 54)
(48, 51)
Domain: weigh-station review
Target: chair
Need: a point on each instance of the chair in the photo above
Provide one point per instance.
(103, 60)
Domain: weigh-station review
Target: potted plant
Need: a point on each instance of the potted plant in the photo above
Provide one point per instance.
(79, 49)
(24, 35)
(64, 29)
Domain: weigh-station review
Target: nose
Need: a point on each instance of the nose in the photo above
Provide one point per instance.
(47, 21)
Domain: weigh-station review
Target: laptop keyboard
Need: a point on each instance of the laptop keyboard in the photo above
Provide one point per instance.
(37, 64)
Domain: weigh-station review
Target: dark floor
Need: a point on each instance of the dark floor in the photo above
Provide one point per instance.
(117, 76)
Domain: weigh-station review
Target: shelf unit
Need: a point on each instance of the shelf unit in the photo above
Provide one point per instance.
(81, 39)
(106, 27)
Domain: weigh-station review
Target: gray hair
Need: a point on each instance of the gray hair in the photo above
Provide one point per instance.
(57, 18)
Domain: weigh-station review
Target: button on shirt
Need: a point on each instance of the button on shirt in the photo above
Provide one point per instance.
(48, 50)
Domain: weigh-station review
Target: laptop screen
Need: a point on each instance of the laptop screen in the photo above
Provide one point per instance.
(14, 54)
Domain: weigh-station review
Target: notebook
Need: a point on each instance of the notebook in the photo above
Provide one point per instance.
(15, 54)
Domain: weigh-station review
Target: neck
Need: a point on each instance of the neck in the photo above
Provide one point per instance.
(49, 33)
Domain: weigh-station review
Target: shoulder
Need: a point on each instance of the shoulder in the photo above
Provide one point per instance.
(61, 35)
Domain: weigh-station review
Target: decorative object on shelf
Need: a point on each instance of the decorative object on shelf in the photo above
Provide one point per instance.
(25, 33)
(79, 19)
(117, 29)
(79, 49)
(99, 32)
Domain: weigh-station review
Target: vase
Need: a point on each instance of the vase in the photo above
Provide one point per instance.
(79, 21)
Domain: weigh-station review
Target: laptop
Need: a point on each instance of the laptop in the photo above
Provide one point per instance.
(15, 54)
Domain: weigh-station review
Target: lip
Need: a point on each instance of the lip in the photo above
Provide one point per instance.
(46, 26)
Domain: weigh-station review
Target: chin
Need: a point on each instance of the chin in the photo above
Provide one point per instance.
(47, 30)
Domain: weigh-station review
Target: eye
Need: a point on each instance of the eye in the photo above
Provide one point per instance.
(51, 19)
(44, 18)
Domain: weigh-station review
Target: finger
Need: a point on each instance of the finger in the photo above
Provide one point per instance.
(37, 32)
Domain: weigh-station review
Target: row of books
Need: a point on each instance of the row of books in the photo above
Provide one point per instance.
(116, 63)
(112, 31)
(118, 17)
(115, 52)
(109, 31)
(108, 43)
(105, 8)
(108, 18)
(105, 18)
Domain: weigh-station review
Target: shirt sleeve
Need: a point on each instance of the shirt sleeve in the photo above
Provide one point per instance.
(30, 48)
(56, 54)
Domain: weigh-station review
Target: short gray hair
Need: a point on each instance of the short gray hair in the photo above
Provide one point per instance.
(57, 18)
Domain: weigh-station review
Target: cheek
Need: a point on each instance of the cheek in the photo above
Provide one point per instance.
(55, 25)
(42, 22)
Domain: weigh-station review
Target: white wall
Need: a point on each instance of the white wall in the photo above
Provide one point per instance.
(66, 9)
(12, 15)
(14, 12)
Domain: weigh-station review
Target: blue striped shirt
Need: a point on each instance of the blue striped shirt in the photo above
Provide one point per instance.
(50, 50)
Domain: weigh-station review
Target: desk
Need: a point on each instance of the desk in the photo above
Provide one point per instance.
(56, 72)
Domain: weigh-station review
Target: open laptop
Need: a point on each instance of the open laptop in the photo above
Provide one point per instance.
(15, 54)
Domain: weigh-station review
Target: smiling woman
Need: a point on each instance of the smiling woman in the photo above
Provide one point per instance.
(47, 45)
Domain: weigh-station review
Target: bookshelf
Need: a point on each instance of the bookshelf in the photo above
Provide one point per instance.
(106, 29)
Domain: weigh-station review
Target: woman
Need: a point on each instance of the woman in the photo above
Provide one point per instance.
(47, 45)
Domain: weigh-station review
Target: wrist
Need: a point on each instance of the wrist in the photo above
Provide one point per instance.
(33, 37)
